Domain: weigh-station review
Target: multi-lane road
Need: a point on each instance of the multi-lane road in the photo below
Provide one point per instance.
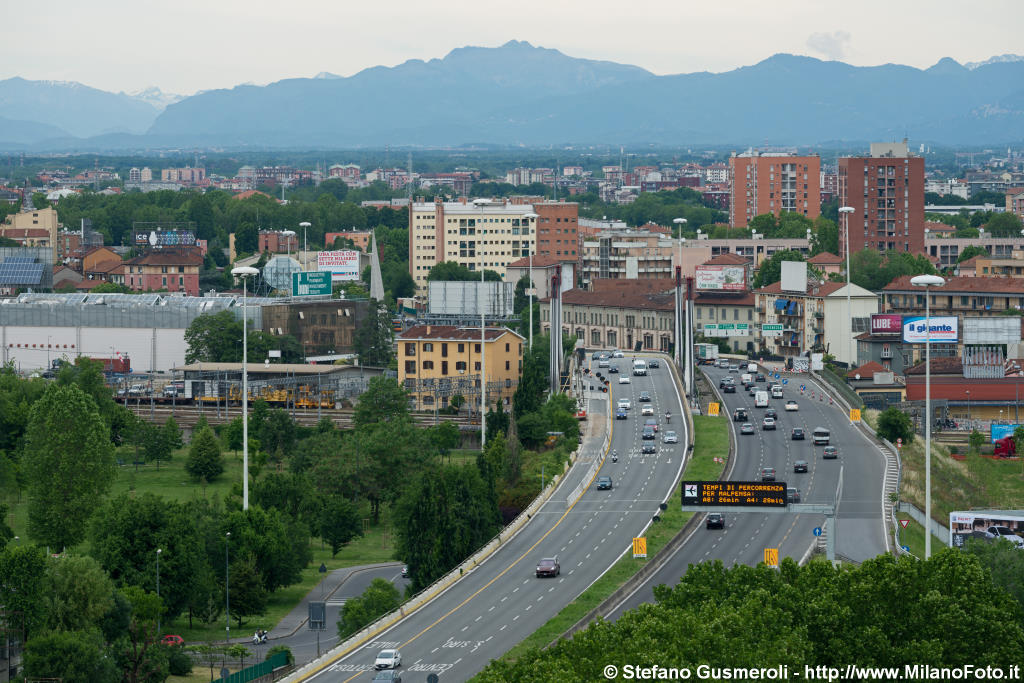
(860, 533)
(501, 602)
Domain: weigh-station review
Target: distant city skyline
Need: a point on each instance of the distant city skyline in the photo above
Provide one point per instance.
(187, 46)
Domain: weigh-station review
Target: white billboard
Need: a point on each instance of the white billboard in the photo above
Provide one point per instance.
(943, 329)
(794, 276)
(721, 278)
(464, 298)
(343, 265)
(996, 330)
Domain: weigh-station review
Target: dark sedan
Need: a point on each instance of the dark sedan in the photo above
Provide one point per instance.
(797, 434)
(716, 520)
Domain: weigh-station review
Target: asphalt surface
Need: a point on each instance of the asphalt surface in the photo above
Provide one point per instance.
(859, 530)
(501, 601)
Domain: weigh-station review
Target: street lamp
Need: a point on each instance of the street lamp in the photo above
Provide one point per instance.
(288, 235)
(531, 217)
(305, 225)
(680, 222)
(227, 588)
(158, 551)
(479, 203)
(245, 272)
(846, 211)
(927, 281)
(968, 404)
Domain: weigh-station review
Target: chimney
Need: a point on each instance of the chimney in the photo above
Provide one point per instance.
(428, 330)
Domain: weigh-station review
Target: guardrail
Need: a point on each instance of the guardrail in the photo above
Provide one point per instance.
(852, 398)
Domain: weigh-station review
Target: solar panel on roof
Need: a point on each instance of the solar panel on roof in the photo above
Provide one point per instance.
(20, 273)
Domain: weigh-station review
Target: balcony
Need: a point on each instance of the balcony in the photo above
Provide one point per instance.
(886, 353)
(820, 315)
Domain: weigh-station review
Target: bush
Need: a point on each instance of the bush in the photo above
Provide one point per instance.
(178, 661)
(894, 424)
(281, 648)
(953, 450)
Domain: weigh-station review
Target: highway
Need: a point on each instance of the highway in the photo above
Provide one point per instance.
(501, 601)
(860, 533)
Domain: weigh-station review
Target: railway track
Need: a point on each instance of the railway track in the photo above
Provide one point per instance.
(188, 415)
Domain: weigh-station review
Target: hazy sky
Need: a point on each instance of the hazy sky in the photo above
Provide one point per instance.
(183, 46)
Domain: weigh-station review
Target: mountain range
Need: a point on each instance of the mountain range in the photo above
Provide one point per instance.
(519, 94)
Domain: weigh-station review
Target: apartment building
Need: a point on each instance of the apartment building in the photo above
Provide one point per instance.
(946, 250)
(886, 191)
(36, 228)
(769, 182)
(361, 240)
(276, 242)
(186, 175)
(1015, 201)
(619, 315)
(436, 362)
(171, 269)
(321, 327)
(543, 271)
(480, 234)
(627, 254)
(960, 296)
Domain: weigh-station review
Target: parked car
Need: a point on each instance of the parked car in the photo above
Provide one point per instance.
(670, 437)
(548, 566)
(715, 520)
(604, 484)
(747, 428)
(799, 465)
(388, 659)
(767, 474)
(797, 434)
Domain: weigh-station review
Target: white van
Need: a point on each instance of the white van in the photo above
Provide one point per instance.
(819, 436)
(639, 367)
(776, 391)
(752, 368)
(761, 399)
(746, 378)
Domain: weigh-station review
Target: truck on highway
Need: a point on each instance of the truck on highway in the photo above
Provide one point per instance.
(705, 353)
(761, 399)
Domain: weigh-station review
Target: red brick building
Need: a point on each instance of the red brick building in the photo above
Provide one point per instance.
(278, 243)
(176, 270)
(761, 183)
(886, 191)
(558, 230)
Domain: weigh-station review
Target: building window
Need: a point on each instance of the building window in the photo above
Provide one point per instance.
(476, 348)
(462, 348)
(410, 349)
(428, 365)
(444, 350)
(507, 348)
(428, 347)
(444, 367)
(508, 365)
(460, 366)
(410, 367)
(476, 366)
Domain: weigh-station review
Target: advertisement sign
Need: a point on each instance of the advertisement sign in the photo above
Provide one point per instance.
(771, 330)
(343, 265)
(817, 362)
(943, 329)
(745, 493)
(886, 323)
(164, 238)
(311, 284)
(997, 431)
(722, 278)
(726, 329)
(986, 525)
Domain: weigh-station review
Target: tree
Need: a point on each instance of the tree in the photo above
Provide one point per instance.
(248, 595)
(825, 237)
(339, 523)
(277, 436)
(69, 656)
(1003, 225)
(204, 459)
(156, 442)
(971, 251)
(1004, 561)
(172, 433)
(384, 400)
(444, 437)
(232, 434)
(771, 270)
(975, 440)
(77, 593)
(451, 271)
(141, 658)
(894, 424)
(373, 337)
(69, 465)
(6, 532)
(378, 599)
(23, 568)
(214, 338)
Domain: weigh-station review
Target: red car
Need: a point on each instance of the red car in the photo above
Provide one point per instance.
(172, 640)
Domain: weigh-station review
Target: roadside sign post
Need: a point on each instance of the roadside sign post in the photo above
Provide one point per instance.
(771, 557)
(311, 283)
(640, 547)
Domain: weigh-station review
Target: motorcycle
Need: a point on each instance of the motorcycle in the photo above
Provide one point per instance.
(668, 418)
(615, 456)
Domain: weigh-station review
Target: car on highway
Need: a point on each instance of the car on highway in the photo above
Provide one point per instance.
(625, 404)
(670, 437)
(621, 414)
(799, 465)
(653, 363)
(797, 434)
(644, 397)
(776, 391)
(740, 415)
(548, 566)
(604, 363)
(760, 378)
(725, 380)
(792, 495)
(172, 640)
(752, 389)
(647, 410)
(387, 676)
(613, 370)
(715, 520)
(729, 389)
(648, 433)
(619, 354)
(767, 474)
(405, 571)
(771, 412)
(792, 406)
(648, 448)
(388, 659)
(747, 428)
(830, 453)
(604, 483)
(651, 422)
(768, 424)
(623, 379)
(734, 368)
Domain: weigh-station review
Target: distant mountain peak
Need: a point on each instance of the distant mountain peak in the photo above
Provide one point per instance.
(998, 59)
(326, 75)
(946, 66)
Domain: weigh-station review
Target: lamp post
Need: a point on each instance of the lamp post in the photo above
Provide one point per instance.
(479, 203)
(245, 272)
(305, 225)
(968, 404)
(158, 551)
(846, 211)
(288, 235)
(227, 588)
(927, 281)
(680, 222)
(531, 218)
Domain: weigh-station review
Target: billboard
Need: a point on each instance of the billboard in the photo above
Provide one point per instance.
(995, 330)
(743, 493)
(999, 431)
(721, 278)
(943, 329)
(726, 329)
(164, 238)
(886, 323)
(343, 265)
(464, 298)
(313, 283)
(986, 525)
(794, 276)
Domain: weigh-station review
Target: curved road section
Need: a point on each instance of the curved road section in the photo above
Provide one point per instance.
(860, 532)
(502, 601)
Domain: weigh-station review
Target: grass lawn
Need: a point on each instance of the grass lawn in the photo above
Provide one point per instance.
(913, 537)
(711, 440)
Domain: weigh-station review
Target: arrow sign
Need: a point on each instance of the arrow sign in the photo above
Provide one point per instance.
(904, 523)
(817, 531)
(785, 381)
(906, 548)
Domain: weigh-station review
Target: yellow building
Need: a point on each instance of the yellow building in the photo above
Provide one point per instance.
(436, 362)
(37, 228)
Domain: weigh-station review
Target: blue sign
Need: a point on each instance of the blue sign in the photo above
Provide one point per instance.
(776, 375)
(906, 548)
(1001, 431)
(817, 531)
(785, 381)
